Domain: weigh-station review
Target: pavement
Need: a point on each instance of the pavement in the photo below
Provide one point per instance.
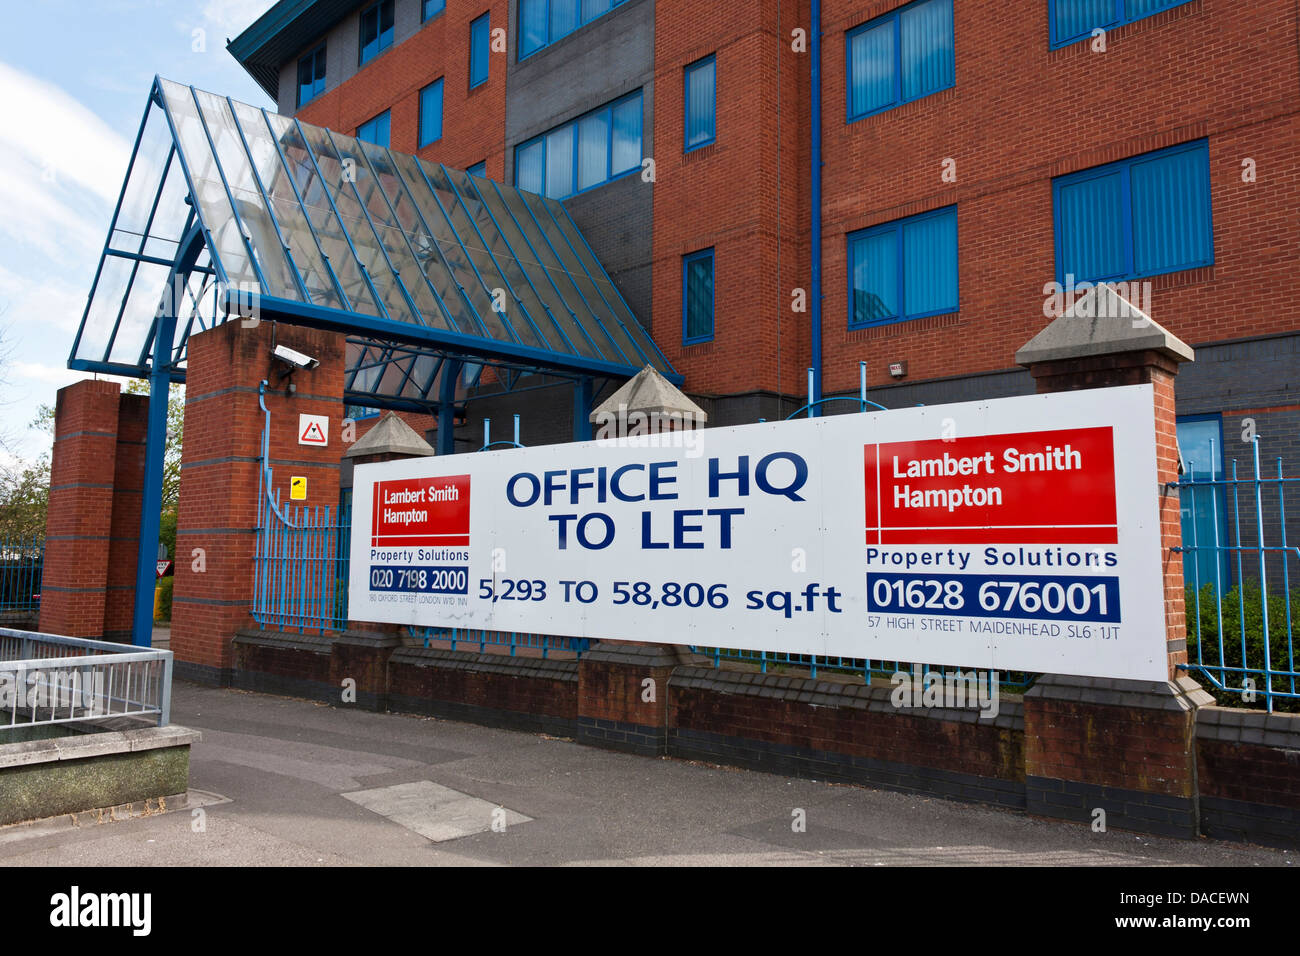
(291, 782)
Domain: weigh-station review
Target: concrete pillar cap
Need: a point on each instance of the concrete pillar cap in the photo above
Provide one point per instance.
(649, 394)
(1102, 322)
(391, 436)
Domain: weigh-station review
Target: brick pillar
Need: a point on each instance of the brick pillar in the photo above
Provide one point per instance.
(124, 544)
(361, 652)
(1127, 748)
(623, 685)
(216, 534)
(92, 524)
(623, 695)
(78, 523)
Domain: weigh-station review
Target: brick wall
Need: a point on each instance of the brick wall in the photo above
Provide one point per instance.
(473, 121)
(745, 195)
(1248, 772)
(1020, 114)
(523, 693)
(847, 732)
(218, 509)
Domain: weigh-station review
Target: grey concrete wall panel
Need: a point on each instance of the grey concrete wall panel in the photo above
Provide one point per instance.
(601, 61)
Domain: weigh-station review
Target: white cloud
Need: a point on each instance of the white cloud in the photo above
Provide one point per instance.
(59, 135)
(34, 305)
(233, 17)
(50, 374)
(61, 170)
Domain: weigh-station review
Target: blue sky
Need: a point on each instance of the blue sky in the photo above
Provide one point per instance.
(74, 80)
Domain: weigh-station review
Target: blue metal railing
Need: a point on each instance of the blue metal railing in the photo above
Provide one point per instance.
(21, 562)
(1242, 574)
(301, 567)
(489, 444)
(815, 405)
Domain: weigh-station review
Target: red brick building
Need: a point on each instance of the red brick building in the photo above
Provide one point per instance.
(903, 191)
(994, 105)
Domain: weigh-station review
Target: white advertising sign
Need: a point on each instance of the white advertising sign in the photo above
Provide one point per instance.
(1014, 534)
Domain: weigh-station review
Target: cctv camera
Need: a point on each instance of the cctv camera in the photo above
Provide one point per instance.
(295, 359)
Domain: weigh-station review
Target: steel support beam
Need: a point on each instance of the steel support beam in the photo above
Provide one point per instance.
(447, 408)
(151, 495)
(582, 409)
(160, 378)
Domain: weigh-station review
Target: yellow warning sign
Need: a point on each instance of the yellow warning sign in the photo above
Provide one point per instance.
(297, 489)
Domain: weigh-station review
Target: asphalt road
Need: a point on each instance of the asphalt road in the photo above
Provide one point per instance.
(272, 773)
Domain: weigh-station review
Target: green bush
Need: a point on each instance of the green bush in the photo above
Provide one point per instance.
(1203, 640)
(163, 614)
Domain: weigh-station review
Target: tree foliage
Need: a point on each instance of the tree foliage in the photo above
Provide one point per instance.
(171, 489)
(24, 496)
(25, 485)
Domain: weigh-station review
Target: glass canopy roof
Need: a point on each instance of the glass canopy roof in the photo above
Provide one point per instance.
(228, 210)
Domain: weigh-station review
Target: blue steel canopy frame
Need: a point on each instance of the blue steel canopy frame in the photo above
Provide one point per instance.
(229, 212)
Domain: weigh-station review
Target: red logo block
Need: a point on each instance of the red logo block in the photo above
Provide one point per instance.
(424, 512)
(1049, 487)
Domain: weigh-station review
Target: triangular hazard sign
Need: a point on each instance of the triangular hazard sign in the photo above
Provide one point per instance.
(313, 433)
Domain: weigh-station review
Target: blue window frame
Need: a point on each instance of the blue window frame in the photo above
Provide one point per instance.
(375, 130)
(359, 413)
(902, 56)
(905, 269)
(431, 8)
(1072, 20)
(701, 103)
(478, 169)
(1142, 216)
(311, 75)
(589, 151)
(480, 39)
(376, 30)
(1204, 508)
(431, 113)
(697, 297)
(543, 22)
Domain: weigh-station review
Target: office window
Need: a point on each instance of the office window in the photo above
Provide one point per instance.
(479, 170)
(697, 297)
(1072, 20)
(701, 102)
(905, 269)
(543, 22)
(1204, 515)
(375, 130)
(311, 76)
(431, 113)
(359, 413)
(376, 29)
(1138, 217)
(480, 38)
(530, 166)
(593, 149)
(431, 8)
(902, 56)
